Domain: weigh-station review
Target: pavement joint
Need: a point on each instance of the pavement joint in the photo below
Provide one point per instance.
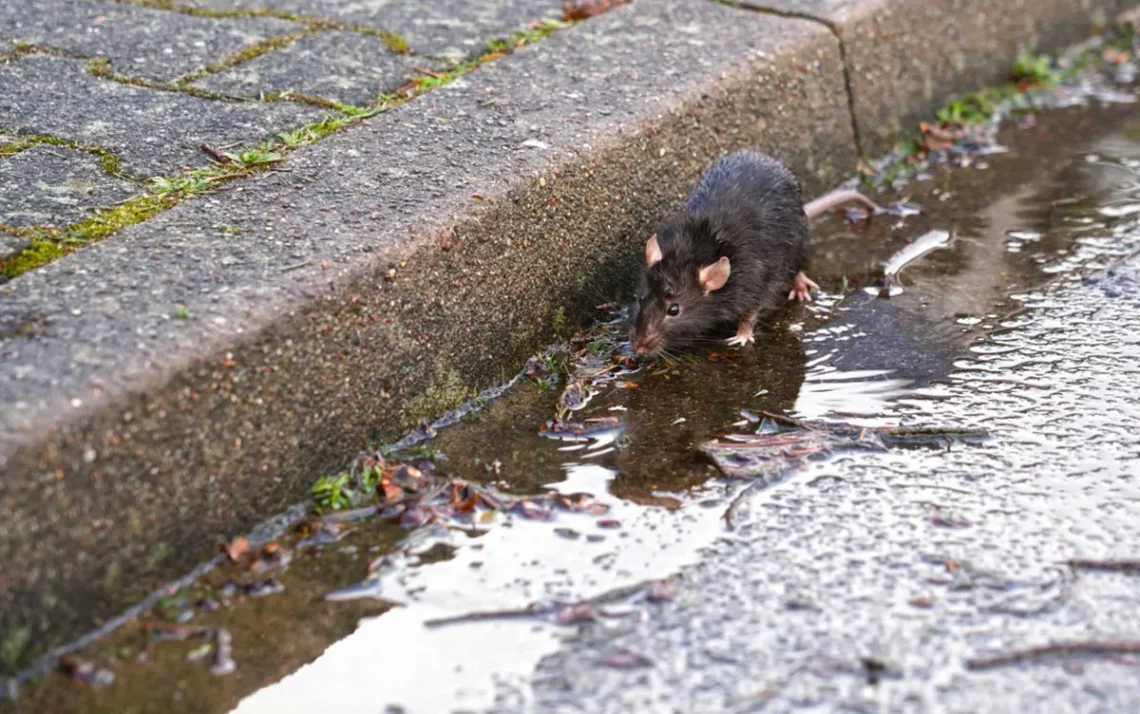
(51, 243)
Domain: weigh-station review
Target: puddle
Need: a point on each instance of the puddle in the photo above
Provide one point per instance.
(987, 320)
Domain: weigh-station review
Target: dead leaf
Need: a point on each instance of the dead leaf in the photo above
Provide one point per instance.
(577, 613)
(626, 659)
(583, 9)
(236, 549)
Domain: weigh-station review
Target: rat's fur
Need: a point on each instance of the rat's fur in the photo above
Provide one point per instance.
(748, 207)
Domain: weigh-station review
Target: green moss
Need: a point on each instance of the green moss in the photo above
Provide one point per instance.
(112, 582)
(447, 391)
(15, 642)
(224, 14)
(528, 36)
(168, 191)
(394, 43)
(108, 160)
(247, 54)
(100, 67)
(52, 244)
(559, 323)
(1028, 77)
(1035, 69)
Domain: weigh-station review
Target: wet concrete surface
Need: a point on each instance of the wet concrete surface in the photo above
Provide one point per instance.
(866, 581)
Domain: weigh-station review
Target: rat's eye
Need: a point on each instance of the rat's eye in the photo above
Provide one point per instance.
(674, 310)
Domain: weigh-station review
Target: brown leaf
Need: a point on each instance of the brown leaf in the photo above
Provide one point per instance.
(391, 491)
(583, 9)
(468, 505)
(660, 591)
(236, 549)
(577, 613)
(626, 659)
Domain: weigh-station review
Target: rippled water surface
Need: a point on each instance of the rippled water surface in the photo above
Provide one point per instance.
(864, 581)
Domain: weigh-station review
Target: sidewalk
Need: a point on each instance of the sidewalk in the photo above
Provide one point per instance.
(193, 372)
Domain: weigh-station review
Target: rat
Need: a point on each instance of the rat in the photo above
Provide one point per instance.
(738, 247)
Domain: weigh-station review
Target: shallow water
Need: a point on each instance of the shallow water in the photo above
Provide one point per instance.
(915, 560)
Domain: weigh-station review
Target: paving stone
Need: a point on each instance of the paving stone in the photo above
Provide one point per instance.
(56, 186)
(11, 246)
(345, 67)
(154, 132)
(159, 45)
(440, 28)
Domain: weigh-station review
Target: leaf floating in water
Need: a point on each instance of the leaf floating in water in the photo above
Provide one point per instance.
(661, 591)
(583, 612)
(530, 509)
(272, 586)
(415, 517)
(236, 549)
(626, 659)
(574, 397)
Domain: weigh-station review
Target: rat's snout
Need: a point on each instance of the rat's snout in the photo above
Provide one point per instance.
(647, 345)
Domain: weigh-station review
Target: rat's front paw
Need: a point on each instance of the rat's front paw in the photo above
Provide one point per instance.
(740, 340)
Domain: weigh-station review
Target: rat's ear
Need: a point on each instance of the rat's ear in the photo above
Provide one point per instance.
(652, 252)
(713, 277)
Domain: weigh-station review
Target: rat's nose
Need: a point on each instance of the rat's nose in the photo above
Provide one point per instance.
(645, 347)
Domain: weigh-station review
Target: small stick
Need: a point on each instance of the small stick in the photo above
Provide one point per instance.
(218, 155)
(1066, 649)
(1114, 565)
(788, 420)
(428, 72)
(536, 609)
(296, 266)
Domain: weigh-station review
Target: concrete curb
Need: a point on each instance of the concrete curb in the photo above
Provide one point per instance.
(393, 268)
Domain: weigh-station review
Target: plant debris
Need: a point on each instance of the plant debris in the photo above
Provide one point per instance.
(573, 10)
(566, 613)
(1105, 649)
(86, 672)
(623, 658)
(771, 454)
(1120, 566)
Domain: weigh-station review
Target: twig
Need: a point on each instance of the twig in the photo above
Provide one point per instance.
(479, 616)
(545, 608)
(296, 266)
(1066, 649)
(1113, 565)
(428, 72)
(788, 420)
(218, 155)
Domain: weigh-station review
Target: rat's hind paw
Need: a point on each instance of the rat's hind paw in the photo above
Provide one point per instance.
(802, 286)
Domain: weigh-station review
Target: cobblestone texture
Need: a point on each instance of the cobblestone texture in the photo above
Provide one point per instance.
(55, 186)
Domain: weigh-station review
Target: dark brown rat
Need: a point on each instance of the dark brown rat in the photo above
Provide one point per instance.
(737, 252)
